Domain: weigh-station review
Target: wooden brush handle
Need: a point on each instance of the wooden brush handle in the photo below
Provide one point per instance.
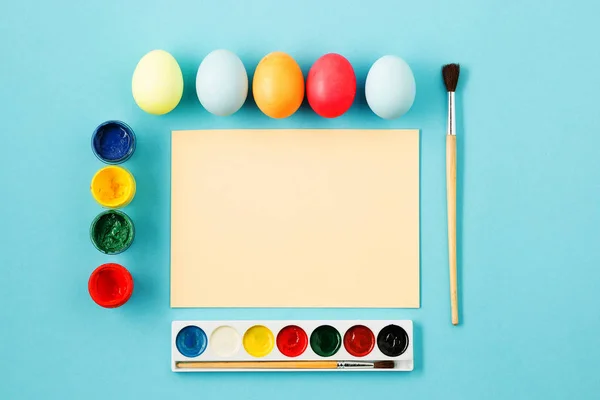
(451, 201)
(258, 364)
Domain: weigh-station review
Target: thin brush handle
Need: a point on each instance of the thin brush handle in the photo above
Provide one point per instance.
(259, 364)
(451, 202)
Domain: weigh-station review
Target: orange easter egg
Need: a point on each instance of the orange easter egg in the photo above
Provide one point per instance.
(278, 85)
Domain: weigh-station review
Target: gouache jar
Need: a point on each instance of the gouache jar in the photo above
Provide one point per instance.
(112, 232)
(113, 187)
(110, 285)
(113, 142)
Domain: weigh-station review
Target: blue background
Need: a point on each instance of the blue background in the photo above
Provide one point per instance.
(529, 173)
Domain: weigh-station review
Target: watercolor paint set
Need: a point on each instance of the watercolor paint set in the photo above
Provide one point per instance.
(292, 345)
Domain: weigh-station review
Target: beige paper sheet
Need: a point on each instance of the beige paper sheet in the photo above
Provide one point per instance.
(295, 218)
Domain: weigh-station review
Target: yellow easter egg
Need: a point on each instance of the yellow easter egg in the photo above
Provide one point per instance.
(157, 83)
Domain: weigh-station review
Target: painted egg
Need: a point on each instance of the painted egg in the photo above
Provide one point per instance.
(157, 83)
(331, 85)
(278, 85)
(222, 83)
(390, 87)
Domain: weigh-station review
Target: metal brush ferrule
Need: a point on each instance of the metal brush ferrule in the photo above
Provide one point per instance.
(354, 364)
(451, 129)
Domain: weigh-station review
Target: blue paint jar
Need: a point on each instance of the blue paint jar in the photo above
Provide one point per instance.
(113, 142)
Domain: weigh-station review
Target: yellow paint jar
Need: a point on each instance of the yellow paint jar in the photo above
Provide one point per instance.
(113, 187)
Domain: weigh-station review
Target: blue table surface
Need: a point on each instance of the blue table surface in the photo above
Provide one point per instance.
(529, 176)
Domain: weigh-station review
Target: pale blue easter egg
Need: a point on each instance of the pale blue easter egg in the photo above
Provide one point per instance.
(222, 83)
(390, 87)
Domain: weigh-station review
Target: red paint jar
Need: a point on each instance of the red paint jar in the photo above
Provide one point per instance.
(359, 341)
(110, 285)
(292, 341)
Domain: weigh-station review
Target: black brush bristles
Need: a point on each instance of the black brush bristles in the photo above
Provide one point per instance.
(383, 364)
(450, 73)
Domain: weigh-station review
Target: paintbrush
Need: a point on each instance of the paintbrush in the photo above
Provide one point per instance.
(450, 74)
(285, 364)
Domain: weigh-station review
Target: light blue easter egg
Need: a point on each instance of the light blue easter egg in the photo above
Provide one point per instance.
(390, 87)
(222, 83)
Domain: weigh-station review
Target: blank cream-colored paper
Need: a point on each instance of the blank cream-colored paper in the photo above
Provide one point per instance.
(295, 218)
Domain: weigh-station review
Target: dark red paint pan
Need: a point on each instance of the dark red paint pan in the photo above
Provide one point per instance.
(110, 285)
(359, 340)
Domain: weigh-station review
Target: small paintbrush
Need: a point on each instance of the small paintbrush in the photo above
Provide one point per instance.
(285, 364)
(450, 73)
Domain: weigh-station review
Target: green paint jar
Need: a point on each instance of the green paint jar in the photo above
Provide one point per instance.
(112, 232)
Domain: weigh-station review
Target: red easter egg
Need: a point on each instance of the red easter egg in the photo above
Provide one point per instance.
(331, 85)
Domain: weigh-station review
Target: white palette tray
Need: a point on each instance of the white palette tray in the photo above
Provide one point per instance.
(204, 345)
